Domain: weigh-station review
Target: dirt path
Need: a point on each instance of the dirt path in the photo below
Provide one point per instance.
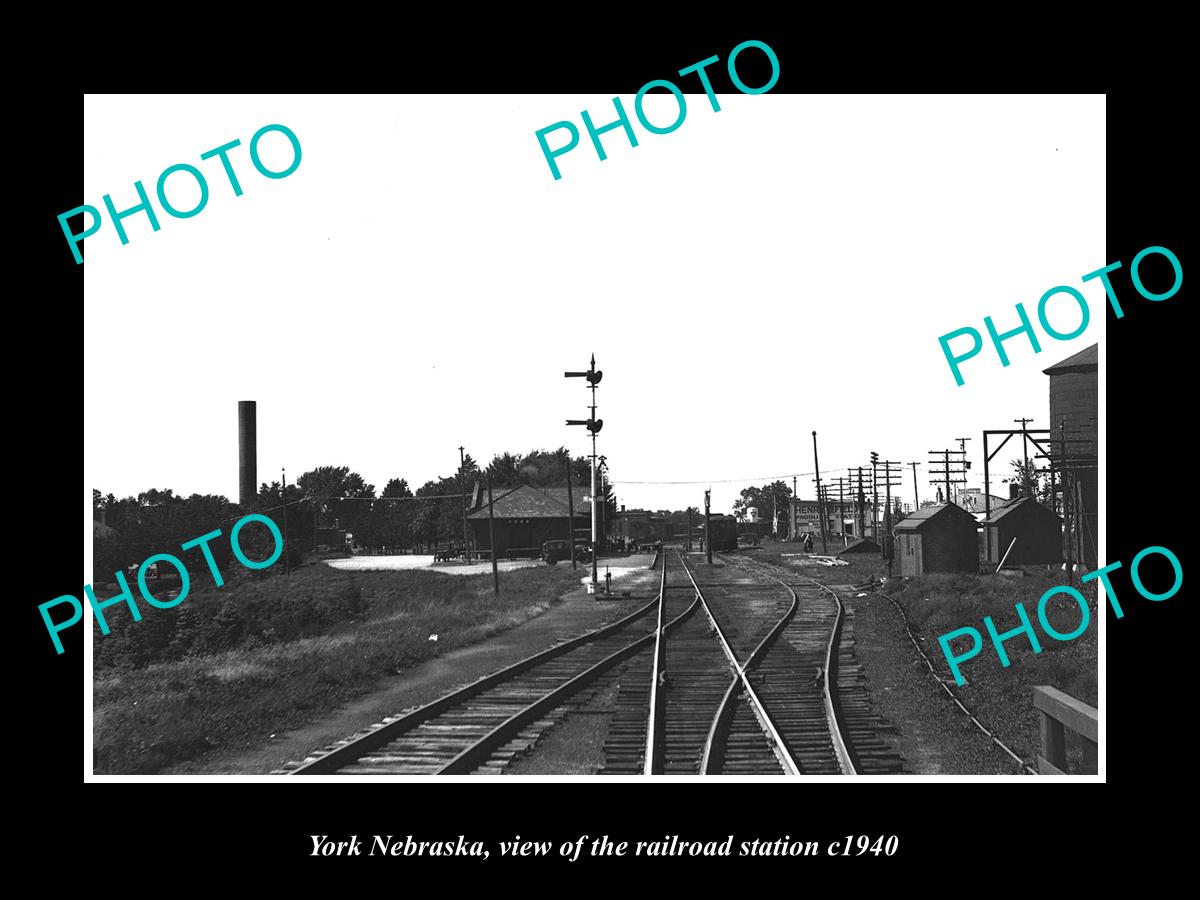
(578, 613)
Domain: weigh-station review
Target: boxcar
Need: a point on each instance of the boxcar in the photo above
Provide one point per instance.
(723, 533)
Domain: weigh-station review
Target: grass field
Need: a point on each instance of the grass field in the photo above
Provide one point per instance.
(940, 603)
(937, 604)
(1001, 695)
(230, 665)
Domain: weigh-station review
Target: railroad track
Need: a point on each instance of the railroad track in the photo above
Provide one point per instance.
(702, 711)
(754, 680)
(728, 674)
(822, 662)
(479, 728)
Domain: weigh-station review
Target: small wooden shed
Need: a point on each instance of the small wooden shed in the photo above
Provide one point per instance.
(1037, 530)
(862, 545)
(939, 538)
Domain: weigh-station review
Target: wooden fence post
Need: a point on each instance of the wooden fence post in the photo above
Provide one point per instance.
(1060, 712)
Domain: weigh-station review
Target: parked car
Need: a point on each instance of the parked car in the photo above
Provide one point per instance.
(555, 551)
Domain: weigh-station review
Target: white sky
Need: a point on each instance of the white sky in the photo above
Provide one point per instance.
(422, 282)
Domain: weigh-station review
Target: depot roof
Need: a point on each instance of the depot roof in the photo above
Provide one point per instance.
(527, 502)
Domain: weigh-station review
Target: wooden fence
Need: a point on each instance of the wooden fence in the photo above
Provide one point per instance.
(1061, 712)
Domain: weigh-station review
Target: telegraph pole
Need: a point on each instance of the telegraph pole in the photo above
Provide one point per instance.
(492, 540)
(689, 543)
(966, 463)
(287, 563)
(570, 511)
(890, 468)
(707, 533)
(874, 495)
(862, 519)
(820, 499)
(794, 515)
(603, 470)
(842, 508)
(1026, 486)
(916, 500)
(948, 473)
(1068, 510)
(462, 464)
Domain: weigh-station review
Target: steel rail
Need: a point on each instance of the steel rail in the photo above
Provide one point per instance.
(472, 757)
(779, 746)
(714, 750)
(653, 746)
(833, 711)
(833, 716)
(1026, 769)
(347, 753)
(718, 732)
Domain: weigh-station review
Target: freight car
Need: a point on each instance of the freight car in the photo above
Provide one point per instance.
(722, 532)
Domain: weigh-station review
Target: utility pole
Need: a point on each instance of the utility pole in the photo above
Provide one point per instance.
(593, 425)
(862, 519)
(890, 468)
(1068, 510)
(462, 464)
(828, 500)
(603, 471)
(916, 500)
(689, 542)
(492, 540)
(793, 523)
(874, 495)
(570, 511)
(948, 473)
(966, 463)
(287, 563)
(842, 508)
(1026, 487)
(820, 500)
(707, 533)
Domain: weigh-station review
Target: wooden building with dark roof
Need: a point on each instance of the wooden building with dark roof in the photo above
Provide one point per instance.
(526, 517)
(1036, 530)
(942, 538)
(1074, 405)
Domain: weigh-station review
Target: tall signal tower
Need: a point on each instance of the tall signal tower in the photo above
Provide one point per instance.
(593, 425)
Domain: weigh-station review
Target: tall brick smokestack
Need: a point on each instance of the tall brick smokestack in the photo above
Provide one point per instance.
(247, 452)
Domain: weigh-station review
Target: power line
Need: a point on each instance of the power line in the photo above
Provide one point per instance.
(750, 479)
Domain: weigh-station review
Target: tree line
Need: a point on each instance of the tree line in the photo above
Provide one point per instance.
(397, 519)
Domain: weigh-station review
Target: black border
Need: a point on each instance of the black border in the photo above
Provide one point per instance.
(1147, 403)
